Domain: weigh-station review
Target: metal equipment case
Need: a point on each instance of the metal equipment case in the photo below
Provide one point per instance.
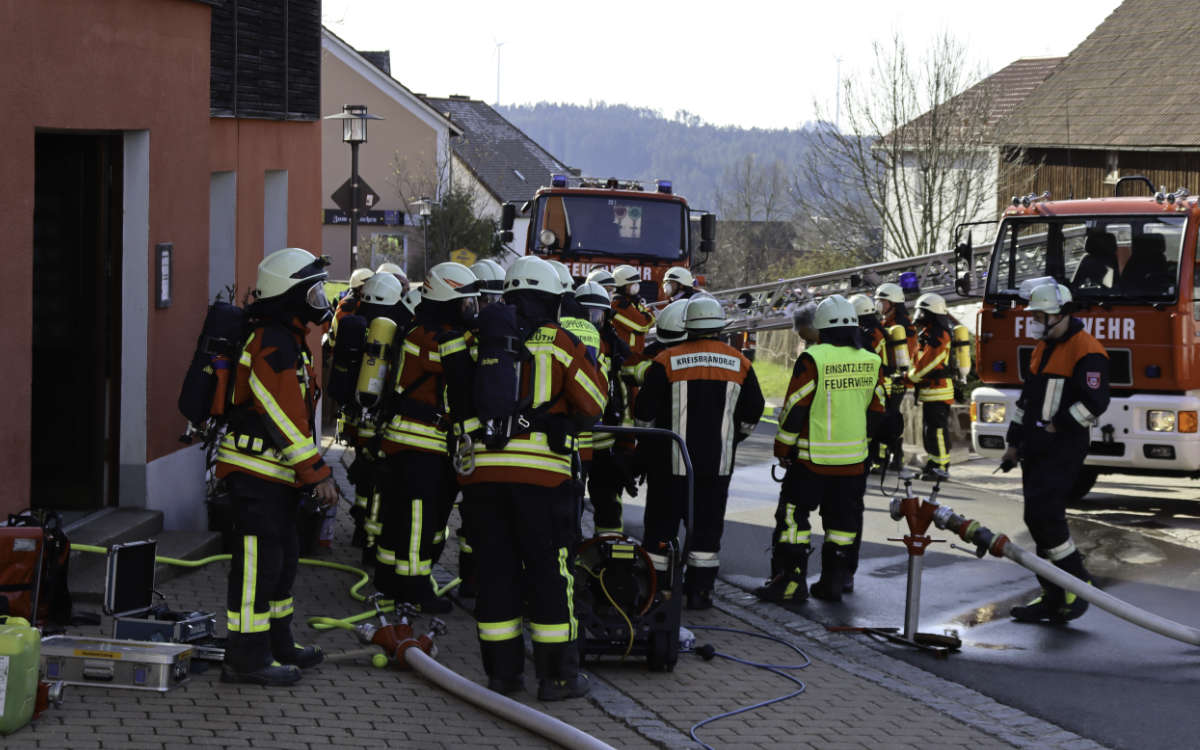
(135, 665)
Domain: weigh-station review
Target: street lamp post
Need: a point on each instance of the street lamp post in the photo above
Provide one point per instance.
(354, 131)
(425, 210)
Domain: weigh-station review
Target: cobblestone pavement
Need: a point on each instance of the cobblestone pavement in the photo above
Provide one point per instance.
(856, 696)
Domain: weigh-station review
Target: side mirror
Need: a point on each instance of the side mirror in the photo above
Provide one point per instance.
(708, 230)
(506, 235)
(963, 258)
(508, 215)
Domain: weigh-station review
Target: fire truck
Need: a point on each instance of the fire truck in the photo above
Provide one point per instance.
(1130, 263)
(588, 223)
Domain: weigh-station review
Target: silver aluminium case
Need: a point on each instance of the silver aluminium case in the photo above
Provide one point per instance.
(133, 665)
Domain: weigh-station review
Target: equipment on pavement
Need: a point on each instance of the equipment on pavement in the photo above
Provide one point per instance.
(129, 588)
(623, 607)
(133, 665)
(20, 646)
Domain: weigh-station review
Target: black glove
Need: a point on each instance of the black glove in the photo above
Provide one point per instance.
(626, 474)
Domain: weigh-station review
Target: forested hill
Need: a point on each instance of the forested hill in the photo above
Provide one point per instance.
(615, 140)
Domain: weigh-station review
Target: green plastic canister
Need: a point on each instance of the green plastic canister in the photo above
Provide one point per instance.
(20, 652)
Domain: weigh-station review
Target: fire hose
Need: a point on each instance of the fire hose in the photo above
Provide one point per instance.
(986, 540)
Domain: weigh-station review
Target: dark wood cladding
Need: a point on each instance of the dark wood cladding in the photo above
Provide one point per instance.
(266, 59)
(1082, 172)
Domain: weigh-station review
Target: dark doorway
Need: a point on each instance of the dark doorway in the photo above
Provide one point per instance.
(76, 320)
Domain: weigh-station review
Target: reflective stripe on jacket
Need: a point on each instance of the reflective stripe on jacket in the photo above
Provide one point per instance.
(274, 401)
(558, 373)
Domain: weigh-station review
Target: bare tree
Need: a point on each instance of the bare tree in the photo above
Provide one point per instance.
(756, 235)
(916, 158)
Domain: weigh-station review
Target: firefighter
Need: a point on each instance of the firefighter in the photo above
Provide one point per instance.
(668, 331)
(706, 391)
(491, 281)
(1065, 393)
(824, 450)
(383, 296)
(594, 310)
(875, 340)
(269, 462)
(678, 283)
(431, 400)
(802, 323)
(930, 375)
(520, 491)
(604, 278)
(631, 319)
(396, 271)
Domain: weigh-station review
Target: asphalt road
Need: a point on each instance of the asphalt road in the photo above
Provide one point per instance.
(1099, 676)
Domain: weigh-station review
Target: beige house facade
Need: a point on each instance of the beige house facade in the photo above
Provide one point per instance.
(406, 157)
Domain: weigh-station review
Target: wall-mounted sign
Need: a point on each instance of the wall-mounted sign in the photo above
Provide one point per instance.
(163, 252)
(365, 218)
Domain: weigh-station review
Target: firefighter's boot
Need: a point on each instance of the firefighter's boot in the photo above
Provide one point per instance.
(1073, 605)
(787, 587)
(833, 573)
(247, 661)
(557, 666)
(1045, 608)
(285, 649)
(851, 565)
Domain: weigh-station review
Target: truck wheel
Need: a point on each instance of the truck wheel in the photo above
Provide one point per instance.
(1084, 482)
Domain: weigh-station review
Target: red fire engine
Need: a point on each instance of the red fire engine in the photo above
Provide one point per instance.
(1130, 263)
(590, 223)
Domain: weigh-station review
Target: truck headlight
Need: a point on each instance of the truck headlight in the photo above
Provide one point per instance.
(1160, 421)
(992, 413)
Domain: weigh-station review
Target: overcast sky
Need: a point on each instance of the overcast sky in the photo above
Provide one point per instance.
(742, 62)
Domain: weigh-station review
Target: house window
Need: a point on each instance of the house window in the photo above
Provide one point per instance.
(275, 202)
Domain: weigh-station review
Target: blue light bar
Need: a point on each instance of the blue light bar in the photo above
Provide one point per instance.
(558, 180)
(908, 282)
(664, 186)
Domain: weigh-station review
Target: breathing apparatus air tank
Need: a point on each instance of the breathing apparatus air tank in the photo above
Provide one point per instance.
(961, 350)
(374, 370)
(898, 346)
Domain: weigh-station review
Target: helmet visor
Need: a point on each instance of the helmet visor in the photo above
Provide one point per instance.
(316, 296)
(596, 315)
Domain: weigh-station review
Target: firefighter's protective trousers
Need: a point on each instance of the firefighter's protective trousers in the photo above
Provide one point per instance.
(667, 506)
(262, 570)
(523, 536)
(418, 494)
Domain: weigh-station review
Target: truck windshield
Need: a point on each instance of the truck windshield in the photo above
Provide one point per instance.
(604, 225)
(1101, 258)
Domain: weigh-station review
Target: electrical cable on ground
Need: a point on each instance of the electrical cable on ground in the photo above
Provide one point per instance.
(707, 652)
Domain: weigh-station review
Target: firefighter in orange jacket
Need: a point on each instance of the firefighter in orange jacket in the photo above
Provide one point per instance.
(269, 462)
(706, 391)
(930, 373)
(520, 492)
(631, 318)
(825, 452)
(431, 400)
(1062, 399)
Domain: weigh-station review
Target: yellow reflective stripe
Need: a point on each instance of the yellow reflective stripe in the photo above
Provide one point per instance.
(570, 579)
(413, 441)
(937, 394)
(943, 456)
(414, 538)
(914, 374)
(300, 448)
(521, 461)
(257, 465)
(638, 371)
(411, 348)
(587, 384)
(283, 608)
(463, 546)
(422, 568)
(470, 425)
(798, 394)
(251, 621)
(840, 538)
(638, 327)
(542, 377)
(790, 531)
(454, 346)
(787, 438)
(559, 632)
(499, 631)
(400, 424)
(385, 555)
